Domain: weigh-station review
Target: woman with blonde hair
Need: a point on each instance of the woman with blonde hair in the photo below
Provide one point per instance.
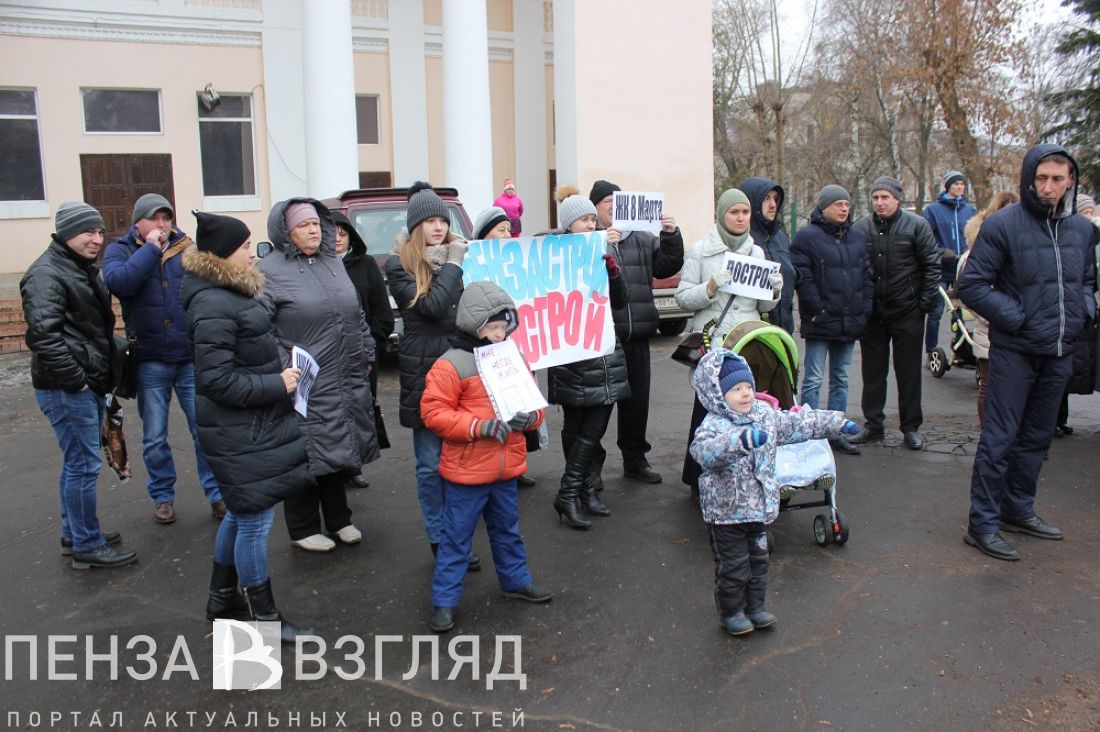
(981, 326)
(425, 279)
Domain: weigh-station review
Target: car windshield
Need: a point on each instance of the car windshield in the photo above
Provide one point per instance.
(379, 226)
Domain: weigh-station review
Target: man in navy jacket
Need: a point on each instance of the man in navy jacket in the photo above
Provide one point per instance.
(1032, 275)
(144, 271)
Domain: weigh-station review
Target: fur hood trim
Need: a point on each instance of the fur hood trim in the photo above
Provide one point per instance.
(248, 282)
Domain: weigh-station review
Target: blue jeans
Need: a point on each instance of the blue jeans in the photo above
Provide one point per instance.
(465, 505)
(155, 381)
(813, 372)
(76, 418)
(427, 446)
(242, 542)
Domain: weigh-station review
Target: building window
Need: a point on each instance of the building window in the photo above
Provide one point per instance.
(121, 110)
(20, 151)
(228, 157)
(366, 116)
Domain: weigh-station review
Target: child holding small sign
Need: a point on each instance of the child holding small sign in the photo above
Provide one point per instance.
(482, 457)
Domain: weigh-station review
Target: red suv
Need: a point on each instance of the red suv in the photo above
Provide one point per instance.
(378, 214)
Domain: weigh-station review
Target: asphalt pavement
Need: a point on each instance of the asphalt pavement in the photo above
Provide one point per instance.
(902, 628)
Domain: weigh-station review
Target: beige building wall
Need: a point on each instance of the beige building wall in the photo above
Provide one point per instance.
(654, 136)
(372, 76)
(58, 68)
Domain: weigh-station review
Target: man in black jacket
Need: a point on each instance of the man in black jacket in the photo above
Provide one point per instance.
(766, 201)
(70, 332)
(1032, 275)
(905, 265)
(642, 257)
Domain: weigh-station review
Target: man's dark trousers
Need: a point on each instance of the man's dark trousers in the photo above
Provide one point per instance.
(634, 412)
(905, 334)
(1021, 404)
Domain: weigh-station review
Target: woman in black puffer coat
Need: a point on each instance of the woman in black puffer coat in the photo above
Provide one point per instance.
(243, 410)
(586, 390)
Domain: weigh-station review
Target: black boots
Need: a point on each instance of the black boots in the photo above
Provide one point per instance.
(226, 600)
(590, 498)
(261, 606)
(567, 504)
(575, 480)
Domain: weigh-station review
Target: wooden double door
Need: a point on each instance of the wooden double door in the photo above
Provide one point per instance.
(112, 183)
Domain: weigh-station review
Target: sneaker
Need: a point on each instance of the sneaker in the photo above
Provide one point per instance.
(643, 473)
(350, 535)
(164, 513)
(103, 556)
(112, 537)
(315, 543)
(442, 620)
(530, 593)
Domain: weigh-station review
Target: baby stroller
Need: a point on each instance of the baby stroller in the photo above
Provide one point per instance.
(962, 343)
(773, 357)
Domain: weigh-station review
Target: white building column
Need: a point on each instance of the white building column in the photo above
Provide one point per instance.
(565, 94)
(282, 99)
(409, 90)
(529, 67)
(467, 126)
(328, 98)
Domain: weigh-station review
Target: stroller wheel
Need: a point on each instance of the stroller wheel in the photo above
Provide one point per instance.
(821, 530)
(840, 529)
(937, 362)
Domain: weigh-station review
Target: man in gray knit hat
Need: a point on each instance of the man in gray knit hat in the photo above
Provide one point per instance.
(905, 266)
(144, 270)
(70, 332)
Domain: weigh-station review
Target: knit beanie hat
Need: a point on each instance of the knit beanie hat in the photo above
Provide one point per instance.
(889, 184)
(725, 202)
(601, 189)
(487, 219)
(830, 194)
(423, 204)
(219, 235)
(149, 204)
(509, 184)
(296, 213)
(573, 208)
(75, 217)
(734, 370)
(1085, 201)
(952, 177)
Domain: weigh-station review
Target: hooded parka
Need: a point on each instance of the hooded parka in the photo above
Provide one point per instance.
(772, 238)
(315, 306)
(367, 277)
(245, 418)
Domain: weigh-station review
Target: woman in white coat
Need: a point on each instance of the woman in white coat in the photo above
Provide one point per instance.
(718, 312)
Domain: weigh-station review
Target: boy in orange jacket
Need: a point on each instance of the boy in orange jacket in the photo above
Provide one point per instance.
(481, 459)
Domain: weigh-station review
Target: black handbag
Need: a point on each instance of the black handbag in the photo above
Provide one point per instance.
(696, 344)
(126, 363)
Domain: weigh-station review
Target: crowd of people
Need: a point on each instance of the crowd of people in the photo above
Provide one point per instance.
(207, 321)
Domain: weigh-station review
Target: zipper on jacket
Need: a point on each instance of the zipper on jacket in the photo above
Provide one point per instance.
(1061, 288)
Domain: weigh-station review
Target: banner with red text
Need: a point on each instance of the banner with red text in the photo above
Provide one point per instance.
(559, 284)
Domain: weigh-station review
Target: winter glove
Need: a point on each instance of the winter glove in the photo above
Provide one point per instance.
(612, 265)
(719, 278)
(850, 427)
(775, 279)
(752, 439)
(456, 251)
(493, 428)
(522, 420)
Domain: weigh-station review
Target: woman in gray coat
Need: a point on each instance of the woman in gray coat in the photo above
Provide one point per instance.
(315, 306)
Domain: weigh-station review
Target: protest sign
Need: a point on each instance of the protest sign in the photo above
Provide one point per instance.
(559, 284)
(637, 211)
(301, 359)
(510, 384)
(749, 276)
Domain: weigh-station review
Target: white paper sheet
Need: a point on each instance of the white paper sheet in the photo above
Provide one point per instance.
(300, 358)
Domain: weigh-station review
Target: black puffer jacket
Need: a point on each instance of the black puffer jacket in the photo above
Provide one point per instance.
(772, 238)
(595, 381)
(642, 256)
(429, 325)
(1032, 270)
(905, 263)
(366, 275)
(835, 290)
(245, 418)
(70, 324)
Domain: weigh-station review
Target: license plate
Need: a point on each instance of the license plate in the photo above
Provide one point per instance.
(665, 303)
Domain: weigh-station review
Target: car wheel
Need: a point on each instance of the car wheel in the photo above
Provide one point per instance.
(672, 327)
